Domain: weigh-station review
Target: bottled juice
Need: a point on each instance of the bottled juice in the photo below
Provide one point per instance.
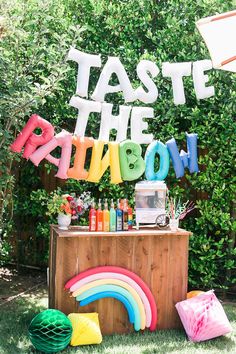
(99, 216)
(105, 217)
(125, 215)
(112, 217)
(92, 218)
(130, 218)
(119, 217)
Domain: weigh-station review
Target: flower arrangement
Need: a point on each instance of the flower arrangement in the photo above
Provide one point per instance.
(69, 204)
(79, 204)
(59, 205)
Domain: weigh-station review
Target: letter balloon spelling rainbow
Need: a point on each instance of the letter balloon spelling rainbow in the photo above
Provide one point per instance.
(123, 158)
(121, 284)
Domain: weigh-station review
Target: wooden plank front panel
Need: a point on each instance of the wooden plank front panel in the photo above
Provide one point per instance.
(124, 258)
(106, 255)
(87, 257)
(161, 261)
(178, 267)
(160, 277)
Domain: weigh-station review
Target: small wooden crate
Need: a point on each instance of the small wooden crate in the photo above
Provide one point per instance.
(160, 258)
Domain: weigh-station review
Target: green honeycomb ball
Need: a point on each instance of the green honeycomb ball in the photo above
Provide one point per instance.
(50, 331)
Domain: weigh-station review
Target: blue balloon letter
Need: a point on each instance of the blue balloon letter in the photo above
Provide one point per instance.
(156, 147)
(183, 160)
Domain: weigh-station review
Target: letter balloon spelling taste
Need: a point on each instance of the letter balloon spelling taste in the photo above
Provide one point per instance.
(176, 71)
(200, 79)
(182, 160)
(157, 147)
(143, 68)
(85, 62)
(30, 140)
(113, 66)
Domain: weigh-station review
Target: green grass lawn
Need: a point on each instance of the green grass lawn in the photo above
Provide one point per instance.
(16, 315)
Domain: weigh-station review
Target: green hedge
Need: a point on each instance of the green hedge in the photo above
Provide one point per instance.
(36, 78)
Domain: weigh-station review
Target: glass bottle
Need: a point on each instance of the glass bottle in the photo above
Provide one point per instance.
(99, 216)
(112, 217)
(119, 217)
(105, 218)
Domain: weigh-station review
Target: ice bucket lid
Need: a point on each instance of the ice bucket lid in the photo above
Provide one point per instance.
(150, 185)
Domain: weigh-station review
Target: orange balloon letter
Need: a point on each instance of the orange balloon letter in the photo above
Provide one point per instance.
(82, 144)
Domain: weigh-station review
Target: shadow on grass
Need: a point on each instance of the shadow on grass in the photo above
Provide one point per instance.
(16, 316)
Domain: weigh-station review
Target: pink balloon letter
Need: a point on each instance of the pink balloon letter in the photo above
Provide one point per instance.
(29, 139)
(64, 140)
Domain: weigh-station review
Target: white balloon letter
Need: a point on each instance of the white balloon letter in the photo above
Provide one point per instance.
(85, 108)
(200, 79)
(118, 122)
(85, 62)
(143, 68)
(138, 125)
(176, 71)
(113, 66)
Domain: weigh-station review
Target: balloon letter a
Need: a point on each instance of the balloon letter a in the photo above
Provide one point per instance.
(64, 140)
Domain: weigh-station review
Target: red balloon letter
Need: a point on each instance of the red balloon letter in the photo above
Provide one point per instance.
(30, 140)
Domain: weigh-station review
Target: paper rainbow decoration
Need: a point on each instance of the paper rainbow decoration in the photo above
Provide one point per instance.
(121, 284)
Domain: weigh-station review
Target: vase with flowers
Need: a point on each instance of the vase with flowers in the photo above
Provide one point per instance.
(68, 207)
(78, 204)
(60, 206)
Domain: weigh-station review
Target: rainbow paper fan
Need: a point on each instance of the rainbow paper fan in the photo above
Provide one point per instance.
(203, 317)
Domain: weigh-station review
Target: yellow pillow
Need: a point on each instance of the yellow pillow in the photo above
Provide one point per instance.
(86, 329)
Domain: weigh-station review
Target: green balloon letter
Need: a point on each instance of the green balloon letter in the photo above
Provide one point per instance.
(132, 164)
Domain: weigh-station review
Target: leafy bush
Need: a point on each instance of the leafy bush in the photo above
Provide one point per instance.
(37, 78)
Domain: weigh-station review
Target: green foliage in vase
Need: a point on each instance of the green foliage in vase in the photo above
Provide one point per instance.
(57, 205)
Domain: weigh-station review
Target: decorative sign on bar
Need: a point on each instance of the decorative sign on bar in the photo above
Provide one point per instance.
(123, 156)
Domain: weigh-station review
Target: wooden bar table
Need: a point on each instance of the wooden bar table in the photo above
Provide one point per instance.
(160, 258)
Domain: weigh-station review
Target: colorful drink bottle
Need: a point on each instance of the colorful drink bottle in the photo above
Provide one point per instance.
(99, 216)
(112, 217)
(119, 217)
(130, 218)
(92, 218)
(105, 217)
(125, 216)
